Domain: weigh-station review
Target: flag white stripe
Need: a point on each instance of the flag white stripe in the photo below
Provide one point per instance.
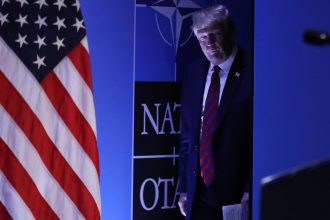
(84, 42)
(14, 204)
(24, 151)
(32, 92)
(78, 90)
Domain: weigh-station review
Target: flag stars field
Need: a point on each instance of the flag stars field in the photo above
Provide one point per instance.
(21, 40)
(60, 23)
(3, 18)
(22, 2)
(22, 20)
(31, 19)
(60, 4)
(78, 24)
(41, 3)
(41, 21)
(40, 61)
(77, 5)
(59, 43)
(4, 1)
(40, 41)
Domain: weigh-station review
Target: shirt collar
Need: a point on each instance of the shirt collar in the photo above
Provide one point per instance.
(226, 65)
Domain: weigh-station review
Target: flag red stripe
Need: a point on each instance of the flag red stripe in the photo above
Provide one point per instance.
(71, 115)
(23, 184)
(80, 59)
(3, 213)
(53, 160)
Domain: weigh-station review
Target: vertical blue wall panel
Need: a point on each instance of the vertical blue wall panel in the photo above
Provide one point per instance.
(110, 31)
(292, 92)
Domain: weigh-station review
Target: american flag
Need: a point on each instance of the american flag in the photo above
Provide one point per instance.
(49, 166)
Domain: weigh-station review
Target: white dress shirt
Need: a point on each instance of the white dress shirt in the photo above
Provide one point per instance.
(223, 74)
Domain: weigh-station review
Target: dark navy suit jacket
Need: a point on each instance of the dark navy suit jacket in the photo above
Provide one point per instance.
(232, 143)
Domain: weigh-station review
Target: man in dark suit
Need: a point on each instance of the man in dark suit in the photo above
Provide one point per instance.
(216, 120)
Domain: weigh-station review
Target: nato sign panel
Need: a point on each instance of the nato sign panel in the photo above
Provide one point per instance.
(156, 141)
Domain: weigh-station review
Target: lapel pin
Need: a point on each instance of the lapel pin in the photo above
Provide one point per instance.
(237, 74)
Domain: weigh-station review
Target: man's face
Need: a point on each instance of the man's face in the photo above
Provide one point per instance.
(216, 42)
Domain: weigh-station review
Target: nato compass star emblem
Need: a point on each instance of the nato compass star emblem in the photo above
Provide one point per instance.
(175, 12)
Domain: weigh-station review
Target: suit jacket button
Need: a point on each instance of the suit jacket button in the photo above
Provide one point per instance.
(196, 147)
(195, 173)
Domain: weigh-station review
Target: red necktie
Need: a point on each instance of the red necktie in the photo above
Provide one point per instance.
(210, 118)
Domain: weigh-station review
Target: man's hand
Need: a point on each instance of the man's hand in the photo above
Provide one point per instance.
(182, 203)
(245, 206)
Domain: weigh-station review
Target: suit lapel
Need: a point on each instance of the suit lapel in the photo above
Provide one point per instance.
(233, 80)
